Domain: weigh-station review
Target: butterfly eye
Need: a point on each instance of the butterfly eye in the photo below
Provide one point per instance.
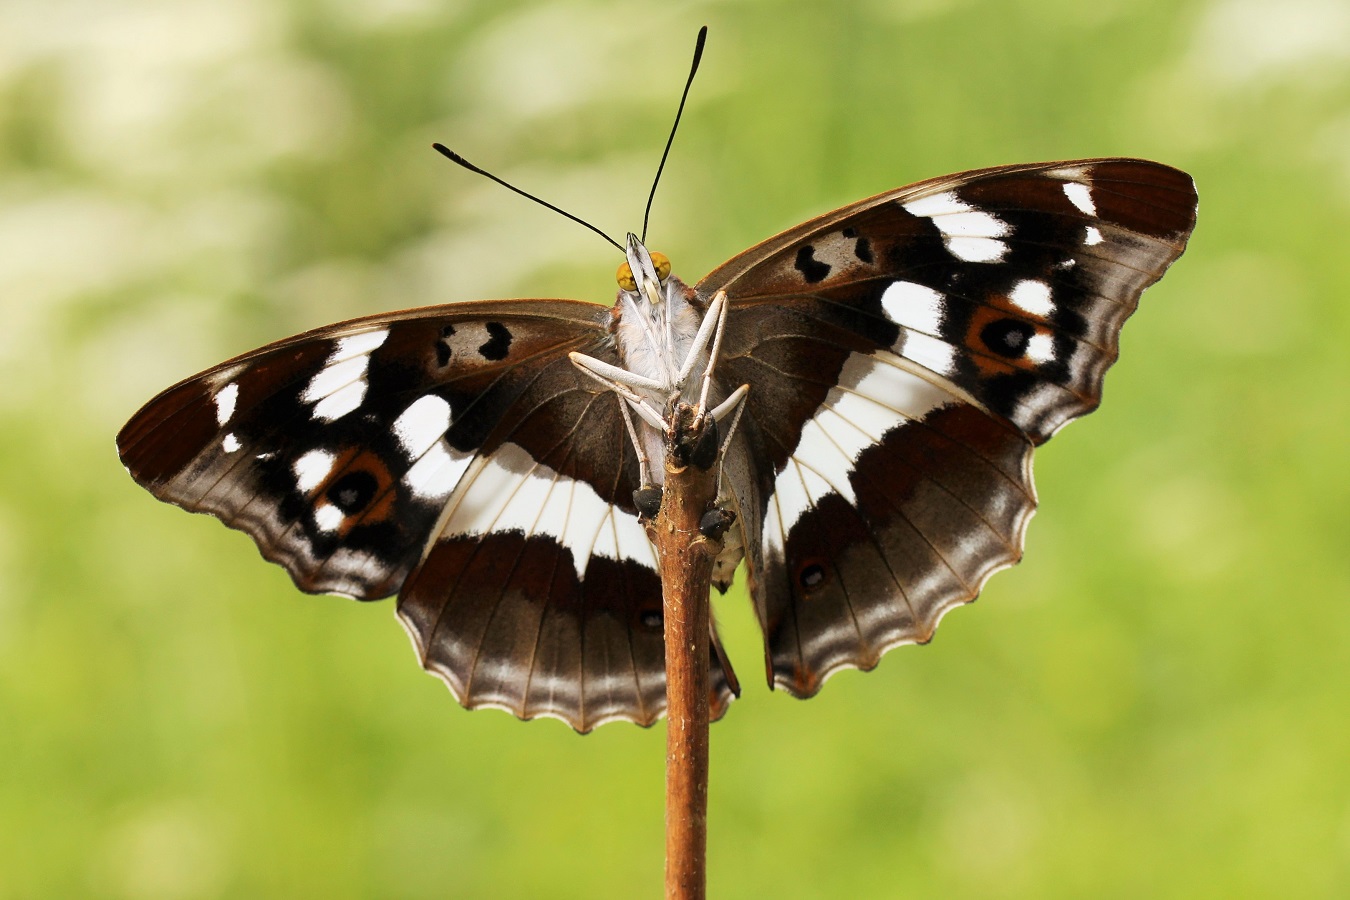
(625, 277)
(625, 273)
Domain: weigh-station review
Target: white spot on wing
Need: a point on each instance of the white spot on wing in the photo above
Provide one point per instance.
(422, 424)
(328, 517)
(943, 204)
(970, 234)
(973, 249)
(358, 345)
(632, 539)
(1092, 236)
(932, 353)
(436, 471)
(790, 495)
(606, 542)
(229, 443)
(335, 377)
(511, 492)
(225, 399)
(311, 469)
(1032, 296)
(340, 402)
(1080, 195)
(340, 386)
(914, 306)
(1041, 347)
(875, 395)
(881, 381)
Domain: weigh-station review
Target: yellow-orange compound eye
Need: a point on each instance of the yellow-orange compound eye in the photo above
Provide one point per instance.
(625, 274)
(625, 277)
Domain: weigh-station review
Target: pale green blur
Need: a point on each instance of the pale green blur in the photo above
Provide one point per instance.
(1154, 704)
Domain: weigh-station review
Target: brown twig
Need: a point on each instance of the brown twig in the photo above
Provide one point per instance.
(686, 558)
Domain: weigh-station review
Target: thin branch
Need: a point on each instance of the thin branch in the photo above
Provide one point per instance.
(686, 558)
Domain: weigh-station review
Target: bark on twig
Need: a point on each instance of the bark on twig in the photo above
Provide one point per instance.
(686, 558)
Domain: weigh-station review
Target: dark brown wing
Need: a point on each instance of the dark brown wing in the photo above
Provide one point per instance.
(905, 354)
(345, 451)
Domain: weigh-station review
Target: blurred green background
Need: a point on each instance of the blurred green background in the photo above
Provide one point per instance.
(1154, 704)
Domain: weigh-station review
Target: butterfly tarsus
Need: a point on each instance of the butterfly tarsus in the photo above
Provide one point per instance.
(715, 523)
(647, 499)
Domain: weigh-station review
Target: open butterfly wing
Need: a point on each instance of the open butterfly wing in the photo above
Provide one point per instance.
(453, 453)
(905, 354)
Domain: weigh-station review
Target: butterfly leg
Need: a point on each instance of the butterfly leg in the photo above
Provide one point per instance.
(647, 498)
(708, 421)
(644, 465)
(732, 403)
(732, 406)
(716, 318)
(719, 305)
(624, 383)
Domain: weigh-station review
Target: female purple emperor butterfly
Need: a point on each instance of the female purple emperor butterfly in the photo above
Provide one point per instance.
(903, 355)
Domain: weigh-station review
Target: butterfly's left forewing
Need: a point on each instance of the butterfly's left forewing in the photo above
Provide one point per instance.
(335, 450)
(906, 354)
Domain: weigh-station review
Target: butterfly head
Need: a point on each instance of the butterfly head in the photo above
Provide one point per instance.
(643, 272)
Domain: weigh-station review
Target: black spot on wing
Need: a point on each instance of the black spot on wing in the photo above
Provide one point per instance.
(863, 250)
(353, 492)
(812, 269)
(498, 343)
(1007, 337)
(812, 575)
(443, 351)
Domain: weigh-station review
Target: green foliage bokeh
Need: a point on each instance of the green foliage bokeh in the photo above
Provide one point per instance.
(1152, 705)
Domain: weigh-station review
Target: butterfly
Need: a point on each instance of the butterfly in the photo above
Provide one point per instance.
(904, 355)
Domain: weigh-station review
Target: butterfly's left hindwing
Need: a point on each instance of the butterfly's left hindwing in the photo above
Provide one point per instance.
(905, 354)
(456, 456)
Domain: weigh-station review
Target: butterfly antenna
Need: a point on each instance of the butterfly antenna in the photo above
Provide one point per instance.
(693, 70)
(456, 158)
